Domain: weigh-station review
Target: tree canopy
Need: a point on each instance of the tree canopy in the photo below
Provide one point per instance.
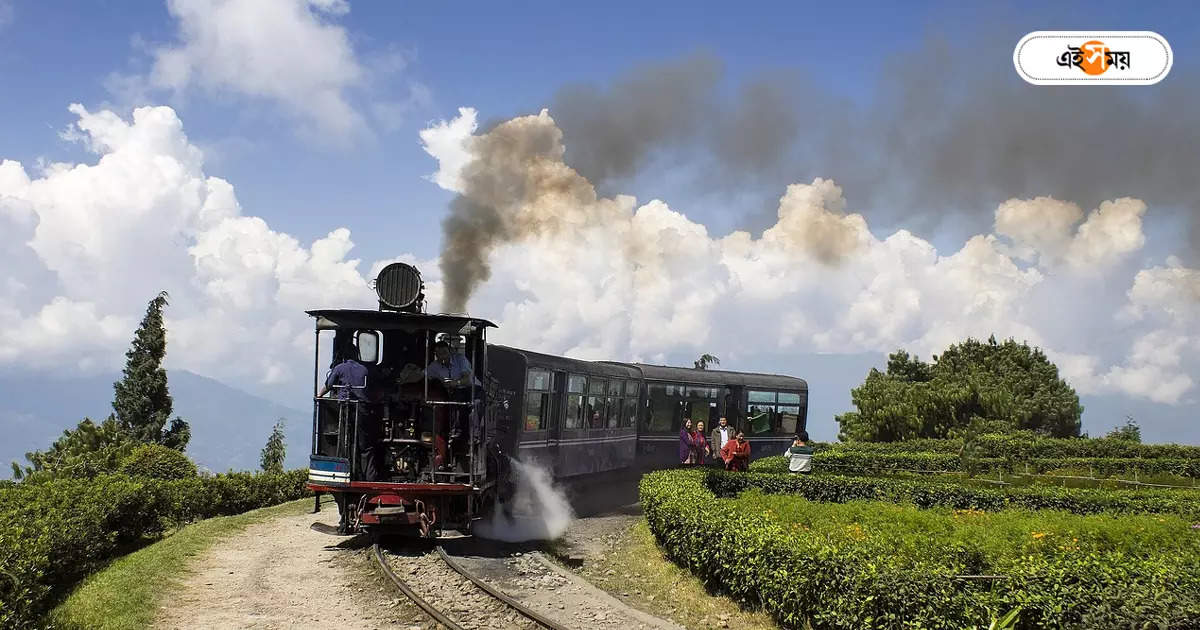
(275, 451)
(142, 404)
(1007, 386)
(1129, 432)
(706, 360)
(141, 399)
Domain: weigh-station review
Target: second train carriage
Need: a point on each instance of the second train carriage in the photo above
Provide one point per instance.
(583, 417)
(406, 449)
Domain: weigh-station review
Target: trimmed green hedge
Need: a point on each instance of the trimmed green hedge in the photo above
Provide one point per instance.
(815, 564)
(925, 494)
(1022, 447)
(851, 461)
(53, 534)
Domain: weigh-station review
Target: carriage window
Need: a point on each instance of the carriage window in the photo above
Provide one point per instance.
(788, 416)
(786, 398)
(662, 407)
(574, 418)
(596, 386)
(614, 413)
(536, 406)
(630, 414)
(631, 388)
(577, 384)
(538, 380)
(614, 387)
(760, 419)
(761, 397)
(594, 413)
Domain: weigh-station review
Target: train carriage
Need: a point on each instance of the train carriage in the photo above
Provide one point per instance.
(409, 447)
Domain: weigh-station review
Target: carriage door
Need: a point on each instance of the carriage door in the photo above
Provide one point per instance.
(558, 386)
(733, 406)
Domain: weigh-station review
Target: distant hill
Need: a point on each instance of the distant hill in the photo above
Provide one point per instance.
(229, 426)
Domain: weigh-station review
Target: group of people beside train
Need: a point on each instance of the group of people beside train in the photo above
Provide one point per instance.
(731, 447)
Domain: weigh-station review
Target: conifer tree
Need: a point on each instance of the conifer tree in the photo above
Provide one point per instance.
(141, 399)
(274, 452)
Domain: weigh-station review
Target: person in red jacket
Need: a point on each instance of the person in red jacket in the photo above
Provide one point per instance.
(736, 453)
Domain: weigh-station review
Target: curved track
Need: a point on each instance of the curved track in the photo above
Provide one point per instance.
(441, 618)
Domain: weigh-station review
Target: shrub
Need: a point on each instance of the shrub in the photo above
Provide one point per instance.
(856, 461)
(824, 564)
(1025, 445)
(925, 494)
(54, 533)
(155, 461)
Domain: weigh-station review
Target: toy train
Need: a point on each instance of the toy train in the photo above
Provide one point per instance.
(419, 438)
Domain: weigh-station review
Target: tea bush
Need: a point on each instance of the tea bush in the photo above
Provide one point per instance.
(925, 493)
(853, 461)
(882, 565)
(1025, 446)
(155, 461)
(54, 533)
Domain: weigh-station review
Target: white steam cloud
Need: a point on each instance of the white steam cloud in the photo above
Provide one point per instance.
(538, 510)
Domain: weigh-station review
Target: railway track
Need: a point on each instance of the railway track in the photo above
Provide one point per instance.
(466, 596)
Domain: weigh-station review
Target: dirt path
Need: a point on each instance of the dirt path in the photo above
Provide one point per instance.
(281, 574)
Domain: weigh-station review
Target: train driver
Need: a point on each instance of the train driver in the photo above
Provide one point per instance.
(454, 369)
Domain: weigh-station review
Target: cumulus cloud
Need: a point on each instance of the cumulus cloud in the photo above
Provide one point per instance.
(1046, 229)
(609, 277)
(98, 240)
(281, 50)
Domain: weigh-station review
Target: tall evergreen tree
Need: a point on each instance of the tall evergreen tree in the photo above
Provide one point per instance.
(275, 451)
(141, 399)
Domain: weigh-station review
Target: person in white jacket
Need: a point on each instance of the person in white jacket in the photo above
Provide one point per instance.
(800, 454)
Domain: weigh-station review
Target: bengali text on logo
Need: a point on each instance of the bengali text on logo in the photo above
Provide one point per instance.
(1093, 57)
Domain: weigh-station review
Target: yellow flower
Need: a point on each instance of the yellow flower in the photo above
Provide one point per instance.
(1038, 535)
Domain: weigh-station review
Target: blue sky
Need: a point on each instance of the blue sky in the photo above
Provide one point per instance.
(507, 60)
(501, 59)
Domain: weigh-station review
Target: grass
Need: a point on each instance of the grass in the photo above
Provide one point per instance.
(125, 595)
(635, 571)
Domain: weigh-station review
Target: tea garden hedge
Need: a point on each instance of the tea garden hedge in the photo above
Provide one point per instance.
(870, 461)
(52, 534)
(859, 552)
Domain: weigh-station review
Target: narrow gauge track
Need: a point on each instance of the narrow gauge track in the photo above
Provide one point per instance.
(438, 615)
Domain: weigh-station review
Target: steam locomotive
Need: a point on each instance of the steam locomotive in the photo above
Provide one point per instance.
(423, 441)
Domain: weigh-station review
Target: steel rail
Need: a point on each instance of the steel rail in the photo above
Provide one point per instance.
(498, 594)
(416, 599)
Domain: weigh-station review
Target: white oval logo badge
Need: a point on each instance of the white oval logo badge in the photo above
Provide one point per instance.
(1093, 57)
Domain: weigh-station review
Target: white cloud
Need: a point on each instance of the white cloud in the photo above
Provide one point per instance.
(1042, 229)
(596, 277)
(143, 218)
(291, 53)
(447, 142)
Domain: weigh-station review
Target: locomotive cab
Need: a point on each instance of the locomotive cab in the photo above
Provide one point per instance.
(404, 435)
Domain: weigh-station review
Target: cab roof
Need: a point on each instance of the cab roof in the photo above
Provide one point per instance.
(362, 319)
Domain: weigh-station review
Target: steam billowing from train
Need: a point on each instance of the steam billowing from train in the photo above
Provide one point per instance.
(924, 150)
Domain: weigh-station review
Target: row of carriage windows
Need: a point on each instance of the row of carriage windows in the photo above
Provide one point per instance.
(599, 403)
(592, 402)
